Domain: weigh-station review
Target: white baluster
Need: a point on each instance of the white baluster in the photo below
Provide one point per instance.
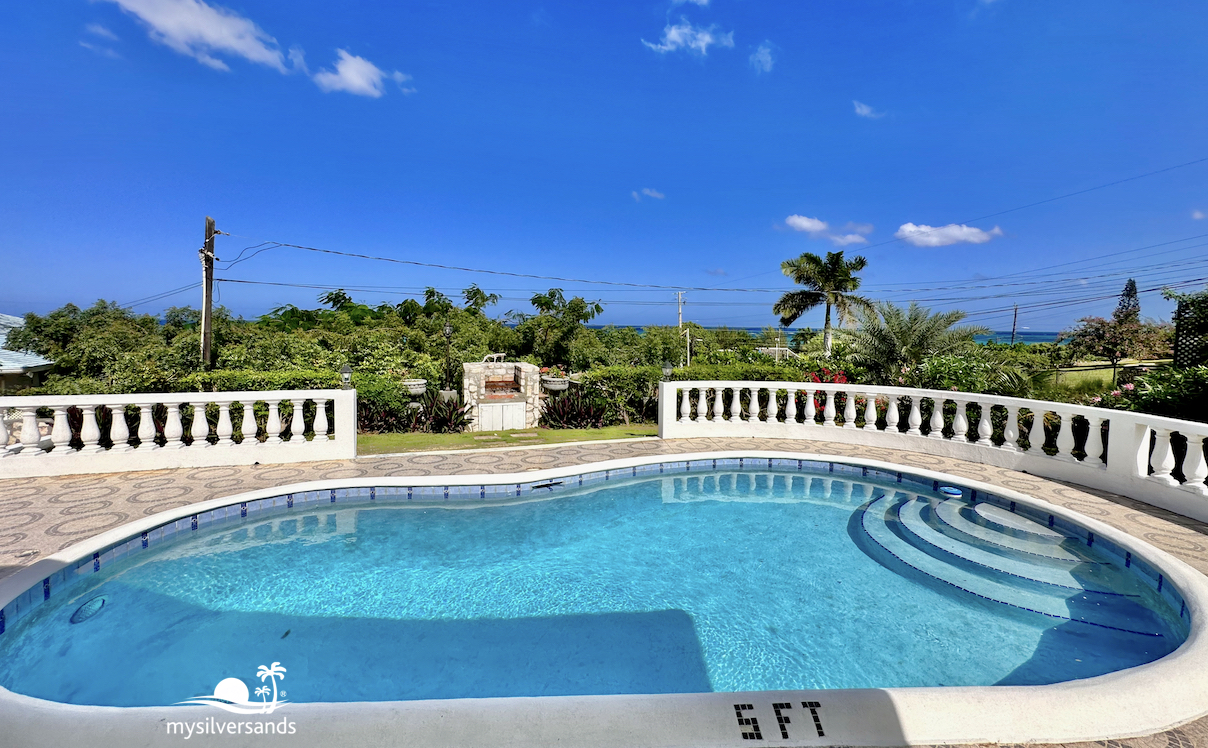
(30, 437)
(870, 412)
(60, 432)
(719, 396)
(915, 419)
(90, 433)
(1094, 443)
(321, 419)
(3, 431)
(146, 427)
(1010, 430)
(985, 427)
(247, 426)
(811, 413)
(1036, 436)
(119, 431)
(1065, 439)
(225, 428)
(735, 405)
(173, 428)
(828, 412)
(849, 410)
(891, 415)
(1195, 469)
(686, 405)
(960, 422)
(790, 407)
(297, 425)
(937, 418)
(201, 427)
(755, 405)
(702, 405)
(272, 429)
(1163, 459)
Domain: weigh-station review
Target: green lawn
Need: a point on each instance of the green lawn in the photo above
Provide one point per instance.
(376, 444)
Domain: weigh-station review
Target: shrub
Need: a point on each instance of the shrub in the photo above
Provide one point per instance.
(574, 409)
(444, 416)
(1177, 393)
(240, 380)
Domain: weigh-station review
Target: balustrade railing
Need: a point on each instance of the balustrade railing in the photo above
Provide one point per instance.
(1154, 459)
(56, 435)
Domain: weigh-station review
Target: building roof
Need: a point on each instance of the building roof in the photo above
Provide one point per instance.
(18, 362)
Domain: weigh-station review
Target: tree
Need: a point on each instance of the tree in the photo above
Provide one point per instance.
(1118, 339)
(831, 282)
(891, 339)
(1129, 307)
(548, 334)
(477, 299)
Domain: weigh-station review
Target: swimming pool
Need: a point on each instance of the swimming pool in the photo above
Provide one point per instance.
(723, 574)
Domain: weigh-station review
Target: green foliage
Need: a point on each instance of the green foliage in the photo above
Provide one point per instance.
(574, 409)
(550, 333)
(1166, 391)
(241, 380)
(968, 374)
(630, 393)
(892, 340)
(1119, 338)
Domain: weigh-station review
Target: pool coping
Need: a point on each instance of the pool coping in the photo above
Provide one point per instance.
(1138, 701)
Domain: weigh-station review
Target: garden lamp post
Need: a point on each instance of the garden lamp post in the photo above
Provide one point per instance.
(448, 330)
(346, 377)
(667, 369)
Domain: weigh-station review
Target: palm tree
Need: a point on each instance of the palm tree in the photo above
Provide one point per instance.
(274, 672)
(830, 281)
(263, 692)
(890, 338)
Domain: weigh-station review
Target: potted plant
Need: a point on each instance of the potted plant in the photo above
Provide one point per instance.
(415, 386)
(554, 379)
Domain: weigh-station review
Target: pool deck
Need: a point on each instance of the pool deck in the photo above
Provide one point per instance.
(41, 516)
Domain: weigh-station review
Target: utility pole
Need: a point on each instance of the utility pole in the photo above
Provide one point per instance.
(206, 253)
(679, 295)
(1014, 319)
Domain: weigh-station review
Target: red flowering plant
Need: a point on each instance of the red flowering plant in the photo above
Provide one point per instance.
(552, 371)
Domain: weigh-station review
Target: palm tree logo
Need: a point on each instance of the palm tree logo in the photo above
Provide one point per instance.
(273, 671)
(263, 692)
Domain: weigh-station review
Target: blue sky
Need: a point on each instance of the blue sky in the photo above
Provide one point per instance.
(692, 144)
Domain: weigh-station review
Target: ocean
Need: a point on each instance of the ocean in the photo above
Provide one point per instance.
(1021, 336)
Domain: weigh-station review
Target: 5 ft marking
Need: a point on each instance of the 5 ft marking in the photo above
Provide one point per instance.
(749, 726)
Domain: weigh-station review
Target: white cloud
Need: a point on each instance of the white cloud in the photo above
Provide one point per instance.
(202, 31)
(864, 110)
(806, 224)
(686, 36)
(819, 229)
(701, 3)
(761, 58)
(356, 75)
(717, 271)
(846, 239)
(1197, 215)
(101, 31)
(648, 192)
(102, 51)
(928, 236)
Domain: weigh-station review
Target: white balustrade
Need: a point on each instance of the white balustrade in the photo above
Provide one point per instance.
(1116, 445)
(144, 454)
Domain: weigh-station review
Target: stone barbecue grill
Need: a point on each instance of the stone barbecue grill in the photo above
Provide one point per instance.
(502, 395)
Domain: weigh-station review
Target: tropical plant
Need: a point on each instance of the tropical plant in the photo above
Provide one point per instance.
(891, 340)
(574, 409)
(1117, 339)
(831, 282)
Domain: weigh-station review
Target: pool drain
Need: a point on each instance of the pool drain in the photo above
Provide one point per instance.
(88, 609)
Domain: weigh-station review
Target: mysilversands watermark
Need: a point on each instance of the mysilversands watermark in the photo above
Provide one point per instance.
(232, 695)
(211, 726)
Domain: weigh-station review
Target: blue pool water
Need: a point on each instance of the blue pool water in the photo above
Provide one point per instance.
(723, 581)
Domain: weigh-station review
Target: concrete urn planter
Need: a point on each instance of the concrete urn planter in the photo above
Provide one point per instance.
(555, 384)
(416, 386)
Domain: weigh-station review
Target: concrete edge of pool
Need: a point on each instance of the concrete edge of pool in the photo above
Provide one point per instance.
(1138, 701)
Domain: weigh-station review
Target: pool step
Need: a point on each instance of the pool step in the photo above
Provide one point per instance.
(995, 515)
(899, 546)
(959, 520)
(932, 538)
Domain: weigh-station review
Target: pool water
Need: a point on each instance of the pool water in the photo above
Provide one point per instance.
(722, 581)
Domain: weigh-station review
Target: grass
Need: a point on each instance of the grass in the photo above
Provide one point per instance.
(376, 444)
